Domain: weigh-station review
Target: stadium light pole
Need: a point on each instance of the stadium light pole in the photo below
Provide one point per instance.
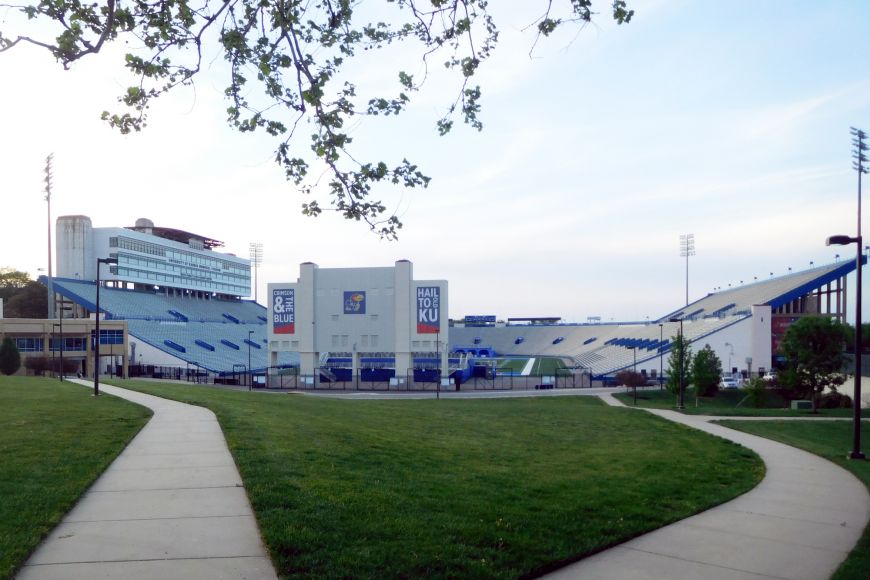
(687, 248)
(97, 326)
(634, 371)
(48, 176)
(250, 374)
(256, 255)
(680, 405)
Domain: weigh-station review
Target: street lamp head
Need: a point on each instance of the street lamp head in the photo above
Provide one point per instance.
(107, 260)
(675, 319)
(839, 241)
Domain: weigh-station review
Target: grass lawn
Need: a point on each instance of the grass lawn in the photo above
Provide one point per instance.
(724, 404)
(831, 440)
(514, 365)
(452, 488)
(55, 440)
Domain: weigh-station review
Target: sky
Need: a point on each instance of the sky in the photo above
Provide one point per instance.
(727, 120)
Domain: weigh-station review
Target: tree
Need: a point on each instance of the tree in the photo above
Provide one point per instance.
(31, 301)
(706, 372)
(292, 61)
(632, 380)
(11, 281)
(813, 347)
(678, 364)
(10, 358)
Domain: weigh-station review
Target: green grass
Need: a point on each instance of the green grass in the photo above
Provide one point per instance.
(547, 366)
(55, 440)
(450, 488)
(724, 404)
(831, 440)
(515, 365)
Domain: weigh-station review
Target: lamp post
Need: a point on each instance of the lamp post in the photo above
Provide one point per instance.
(634, 371)
(730, 354)
(250, 374)
(682, 346)
(661, 356)
(97, 326)
(856, 395)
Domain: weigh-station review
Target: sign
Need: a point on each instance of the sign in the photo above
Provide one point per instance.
(485, 320)
(428, 309)
(355, 302)
(284, 311)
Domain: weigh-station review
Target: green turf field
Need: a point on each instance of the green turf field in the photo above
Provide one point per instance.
(543, 366)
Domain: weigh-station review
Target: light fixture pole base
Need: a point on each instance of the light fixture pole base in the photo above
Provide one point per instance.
(855, 455)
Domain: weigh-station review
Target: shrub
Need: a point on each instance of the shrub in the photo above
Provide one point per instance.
(10, 358)
(37, 364)
(756, 392)
(835, 400)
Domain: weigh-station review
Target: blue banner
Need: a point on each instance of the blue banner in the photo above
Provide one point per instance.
(355, 302)
(428, 309)
(284, 311)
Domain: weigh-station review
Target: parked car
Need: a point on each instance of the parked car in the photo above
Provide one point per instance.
(728, 383)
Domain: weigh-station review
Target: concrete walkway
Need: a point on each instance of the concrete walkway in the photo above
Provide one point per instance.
(800, 522)
(171, 505)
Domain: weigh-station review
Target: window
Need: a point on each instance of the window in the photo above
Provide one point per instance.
(110, 336)
(345, 339)
(334, 341)
(374, 340)
(365, 339)
(29, 344)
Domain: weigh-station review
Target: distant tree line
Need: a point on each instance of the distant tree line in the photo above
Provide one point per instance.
(22, 297)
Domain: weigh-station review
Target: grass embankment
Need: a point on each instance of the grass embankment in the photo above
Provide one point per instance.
(459, 488)
(725, 404)
(55, 440)
(831, 440)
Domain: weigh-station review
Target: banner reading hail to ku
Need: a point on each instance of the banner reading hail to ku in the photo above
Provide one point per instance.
(284, 311)
(428, 310)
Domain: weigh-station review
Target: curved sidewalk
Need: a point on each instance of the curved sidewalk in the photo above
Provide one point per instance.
(800, 522)
(171, 505)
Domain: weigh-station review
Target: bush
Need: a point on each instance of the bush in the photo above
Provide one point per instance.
(835, 400)
(10, 358)
(37, 364)
(756, 392)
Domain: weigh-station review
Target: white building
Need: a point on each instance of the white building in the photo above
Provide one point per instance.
(177, 262)
(354, 312)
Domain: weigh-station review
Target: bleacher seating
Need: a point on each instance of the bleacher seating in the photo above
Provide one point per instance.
(604, 348)
(211, 334)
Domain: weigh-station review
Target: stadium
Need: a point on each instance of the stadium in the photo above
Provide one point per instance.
(176, 307)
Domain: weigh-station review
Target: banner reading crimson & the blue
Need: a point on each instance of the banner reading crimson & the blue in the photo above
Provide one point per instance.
(284, 311)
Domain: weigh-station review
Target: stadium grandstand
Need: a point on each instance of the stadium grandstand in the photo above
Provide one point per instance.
(184, 305)
(742, 324)
(181, 299)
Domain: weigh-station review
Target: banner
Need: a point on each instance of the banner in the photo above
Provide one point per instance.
(484, 320)
(428, 309)
(355, 302)
(284, 311)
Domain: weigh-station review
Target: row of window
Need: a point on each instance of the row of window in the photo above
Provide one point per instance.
(36, 344)
(180, 256)
(134, 274)
(191, 272)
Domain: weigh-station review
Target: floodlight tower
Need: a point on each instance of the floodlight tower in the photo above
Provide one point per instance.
(256, 255)
(687, 248)
(50, 284)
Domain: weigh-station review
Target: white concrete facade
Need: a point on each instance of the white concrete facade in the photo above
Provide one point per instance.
(147, 259)
(358, 311)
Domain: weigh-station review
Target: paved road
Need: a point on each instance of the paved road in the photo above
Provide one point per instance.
(171, 505)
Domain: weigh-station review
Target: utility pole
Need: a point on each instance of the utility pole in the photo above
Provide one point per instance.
(256, 255)
(50, 284)
(687, 248)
